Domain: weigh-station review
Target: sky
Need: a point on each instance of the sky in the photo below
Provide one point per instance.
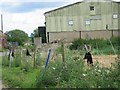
(27, 15)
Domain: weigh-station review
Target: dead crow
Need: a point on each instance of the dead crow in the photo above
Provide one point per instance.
(88, 56)
(27, 53)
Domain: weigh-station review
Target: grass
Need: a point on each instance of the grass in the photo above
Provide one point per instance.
(72, 74)
(0, 68)
(2, 49)
(15, 77)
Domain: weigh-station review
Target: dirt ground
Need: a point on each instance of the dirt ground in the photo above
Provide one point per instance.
(105, 60)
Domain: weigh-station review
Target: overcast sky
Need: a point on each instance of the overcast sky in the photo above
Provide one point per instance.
(27, 15)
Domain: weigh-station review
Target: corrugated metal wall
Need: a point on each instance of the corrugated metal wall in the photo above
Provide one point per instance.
(79, 17)
(79, 14)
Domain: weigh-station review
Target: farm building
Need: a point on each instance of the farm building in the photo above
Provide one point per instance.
(85, 19)
(3, 40)
(41, 38)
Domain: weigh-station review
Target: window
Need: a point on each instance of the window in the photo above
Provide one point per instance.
(70, 22)
(87, 22)
(115, 16)
(91, 8)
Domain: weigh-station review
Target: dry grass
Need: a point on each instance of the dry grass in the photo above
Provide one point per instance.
(105, 60)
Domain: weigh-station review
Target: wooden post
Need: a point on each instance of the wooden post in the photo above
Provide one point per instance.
(34, 61)
(63, 54)
(11, 58)
(97, 49)
(80, 34)
(5, 59)
(86, 48)
(21, 55)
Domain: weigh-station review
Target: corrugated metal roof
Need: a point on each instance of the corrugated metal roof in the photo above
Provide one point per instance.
(63, 7)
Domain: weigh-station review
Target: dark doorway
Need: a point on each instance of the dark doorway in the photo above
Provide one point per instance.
(42, 33)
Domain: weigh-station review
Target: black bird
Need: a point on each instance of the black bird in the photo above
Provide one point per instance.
(27, 53)
(88, 56)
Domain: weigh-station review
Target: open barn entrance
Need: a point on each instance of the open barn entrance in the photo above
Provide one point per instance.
(42, 33)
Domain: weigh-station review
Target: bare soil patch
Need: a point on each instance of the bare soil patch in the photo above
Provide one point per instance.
(105, 60)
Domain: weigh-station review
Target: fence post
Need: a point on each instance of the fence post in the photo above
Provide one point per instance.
(11, 58)
(63, 54)
(34, 61)
(97, 49)
(21, 55)
(5, 58)
(34, 54)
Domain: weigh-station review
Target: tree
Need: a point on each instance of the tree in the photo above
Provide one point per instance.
(32, 37)
(34, 34)
(17, 36)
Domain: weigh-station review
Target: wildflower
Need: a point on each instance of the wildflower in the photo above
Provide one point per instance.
(41, 54)
(43, 66)
(84, 74)
(53, 68)
(108, 85)
(99, 70)
(107, 71)
(98, 86)
(70, 43)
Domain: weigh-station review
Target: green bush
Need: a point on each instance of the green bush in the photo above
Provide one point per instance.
(57, 72)
(77, 43)
(48, 77)
(73, 74)
(101, 45)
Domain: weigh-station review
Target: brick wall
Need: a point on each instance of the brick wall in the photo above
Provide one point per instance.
(69, 36)
(66, 36)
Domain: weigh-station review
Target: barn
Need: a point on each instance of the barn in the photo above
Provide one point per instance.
(85, 19)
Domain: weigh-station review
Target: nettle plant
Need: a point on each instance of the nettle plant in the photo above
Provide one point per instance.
(73, 73)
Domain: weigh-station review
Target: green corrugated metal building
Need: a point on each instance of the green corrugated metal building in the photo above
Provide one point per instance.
(83, 17)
